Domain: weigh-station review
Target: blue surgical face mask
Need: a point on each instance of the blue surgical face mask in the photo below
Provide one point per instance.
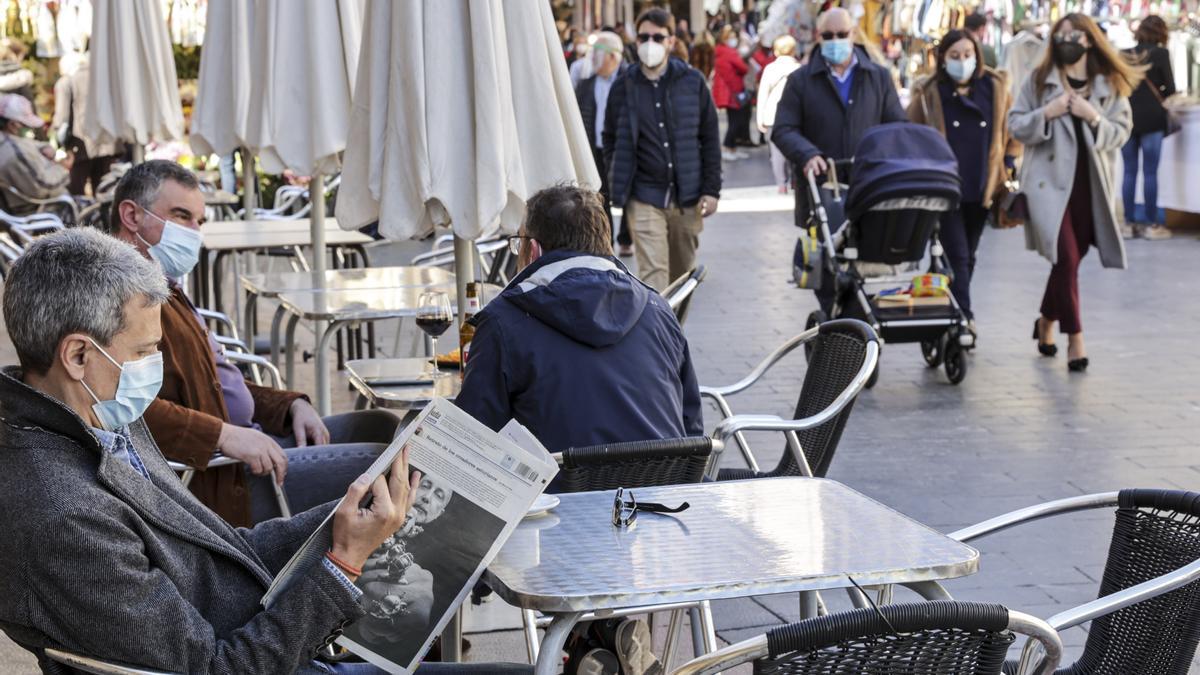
(178, 250)
(136, 390)
(960, 71)
(837, 52)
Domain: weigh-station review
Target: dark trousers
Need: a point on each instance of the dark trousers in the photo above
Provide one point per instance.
(622, 234)
(87, 169)
(959, 233)
(1061, 300)
(739, 125)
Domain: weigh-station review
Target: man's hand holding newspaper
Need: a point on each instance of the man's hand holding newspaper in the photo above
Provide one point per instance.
(359, 529)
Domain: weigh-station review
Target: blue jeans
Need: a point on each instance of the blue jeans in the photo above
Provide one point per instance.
(960, 233)
(1151, 147)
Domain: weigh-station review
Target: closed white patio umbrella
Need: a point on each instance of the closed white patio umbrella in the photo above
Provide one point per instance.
(221, 114)
(133, 93)
(304, 55)
(463, 109)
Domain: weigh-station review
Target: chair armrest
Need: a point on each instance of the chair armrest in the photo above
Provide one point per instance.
(260, 362)
(90, 665)
(219, 317)
(763, 366)
(1124, 598)
(1032, 513)
(723, 659)
(229, 343)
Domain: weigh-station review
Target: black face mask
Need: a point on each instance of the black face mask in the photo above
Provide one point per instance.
(1068, 53)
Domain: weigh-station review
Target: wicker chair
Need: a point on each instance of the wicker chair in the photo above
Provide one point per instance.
(925, 638)
(842, 356)
(638, 464)
(1147, 616)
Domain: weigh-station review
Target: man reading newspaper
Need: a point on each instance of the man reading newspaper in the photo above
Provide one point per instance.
(105, 553)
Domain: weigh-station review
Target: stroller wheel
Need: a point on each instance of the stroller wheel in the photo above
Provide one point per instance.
(933, 351)
(816, 318)
(955, 357)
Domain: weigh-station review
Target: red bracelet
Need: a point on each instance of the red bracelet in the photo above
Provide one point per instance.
(345, 567)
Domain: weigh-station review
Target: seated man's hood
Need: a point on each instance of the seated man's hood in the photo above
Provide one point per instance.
(591, 299)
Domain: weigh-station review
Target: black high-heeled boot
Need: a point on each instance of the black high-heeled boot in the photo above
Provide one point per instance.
(1043, 348)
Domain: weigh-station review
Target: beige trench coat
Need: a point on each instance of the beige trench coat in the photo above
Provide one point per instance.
(1048, 169)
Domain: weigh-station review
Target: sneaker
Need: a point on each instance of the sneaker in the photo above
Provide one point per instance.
(635, 649)
(625, 251)
(730, 156)
(741, 154)
(1156, 232)
(599, 662)
(1127, 231)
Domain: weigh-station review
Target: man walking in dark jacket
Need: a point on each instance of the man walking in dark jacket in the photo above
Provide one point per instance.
(663, 153)
(592, 95)
(827, 106)
(545, 348)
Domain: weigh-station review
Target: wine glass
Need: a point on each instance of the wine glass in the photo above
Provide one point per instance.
(434, 317)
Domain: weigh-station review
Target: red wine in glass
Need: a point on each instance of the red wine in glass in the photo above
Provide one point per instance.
(434, 317)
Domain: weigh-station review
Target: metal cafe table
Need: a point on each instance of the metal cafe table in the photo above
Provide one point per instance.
(397, 384)
(224, 237)
(272, 285)
(738, 539)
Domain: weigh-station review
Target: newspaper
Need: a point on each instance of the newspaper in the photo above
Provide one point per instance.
(476, 486)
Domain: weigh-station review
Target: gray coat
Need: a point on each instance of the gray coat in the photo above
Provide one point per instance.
(96, 559)
(1048, 167)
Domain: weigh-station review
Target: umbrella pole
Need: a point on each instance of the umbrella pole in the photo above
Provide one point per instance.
(464, 272)
(249, 184)
(316, 192)
(139, 153)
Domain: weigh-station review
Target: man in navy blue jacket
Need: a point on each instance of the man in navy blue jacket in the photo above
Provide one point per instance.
(576, 348)
(663, 153)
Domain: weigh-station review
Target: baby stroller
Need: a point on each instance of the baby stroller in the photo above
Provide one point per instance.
(902, 179)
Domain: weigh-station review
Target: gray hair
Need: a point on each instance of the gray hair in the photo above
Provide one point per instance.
(142, 183)
(74, 281)
(611, 43)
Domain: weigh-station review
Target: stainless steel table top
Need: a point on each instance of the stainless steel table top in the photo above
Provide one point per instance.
(738, 538)
(270, 285)
(373, 377)
(241, 235)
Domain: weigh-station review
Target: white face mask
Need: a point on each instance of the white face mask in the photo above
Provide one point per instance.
(731, 42)
(652, 54)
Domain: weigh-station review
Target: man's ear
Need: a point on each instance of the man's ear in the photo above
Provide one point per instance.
(131, 216)
(535, 250)
(72, 354)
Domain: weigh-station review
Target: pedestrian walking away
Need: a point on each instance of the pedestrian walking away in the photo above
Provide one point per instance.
(1064, 113)
(770, 91)
(1150, 124)
(968, 103)
(826, 107)
(662, 147)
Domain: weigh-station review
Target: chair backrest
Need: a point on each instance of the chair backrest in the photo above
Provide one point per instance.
(679, 292)
(837, 354)
(672, 461)
(929, 638)
(1156, 532)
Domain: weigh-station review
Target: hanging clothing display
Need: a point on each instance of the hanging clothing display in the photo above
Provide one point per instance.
(74, 24)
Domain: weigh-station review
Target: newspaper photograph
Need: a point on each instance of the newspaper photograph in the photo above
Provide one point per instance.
(476, 485)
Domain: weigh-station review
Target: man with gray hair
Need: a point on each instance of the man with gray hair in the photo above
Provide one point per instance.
(826, 107)
(105, 553)
(592, 95)
(205, 405)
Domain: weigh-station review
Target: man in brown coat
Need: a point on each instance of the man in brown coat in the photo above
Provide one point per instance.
(205, 405)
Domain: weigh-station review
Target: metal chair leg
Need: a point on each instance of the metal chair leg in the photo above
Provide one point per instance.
(529, 624)
(673, 627)
(697, 631)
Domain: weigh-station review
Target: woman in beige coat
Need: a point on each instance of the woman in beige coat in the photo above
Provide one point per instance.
(1072, 116)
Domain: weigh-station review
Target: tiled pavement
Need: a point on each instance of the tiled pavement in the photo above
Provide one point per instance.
(1018, 431)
